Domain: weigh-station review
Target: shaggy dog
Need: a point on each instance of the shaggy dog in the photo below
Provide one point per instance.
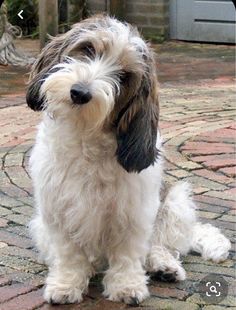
(97, 169)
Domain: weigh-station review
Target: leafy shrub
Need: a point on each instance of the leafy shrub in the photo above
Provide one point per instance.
(29, 23)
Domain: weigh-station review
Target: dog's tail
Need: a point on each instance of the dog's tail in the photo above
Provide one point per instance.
(178, 228)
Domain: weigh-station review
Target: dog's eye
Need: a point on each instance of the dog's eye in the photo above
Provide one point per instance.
(88, 49)
(125, 77)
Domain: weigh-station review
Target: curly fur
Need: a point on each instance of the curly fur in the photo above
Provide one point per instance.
(97, 169)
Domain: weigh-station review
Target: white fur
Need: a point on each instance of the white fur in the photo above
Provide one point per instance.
(91, 212)
(89, 209)
(210, 242)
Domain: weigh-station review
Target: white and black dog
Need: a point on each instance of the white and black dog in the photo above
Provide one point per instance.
(97, 168)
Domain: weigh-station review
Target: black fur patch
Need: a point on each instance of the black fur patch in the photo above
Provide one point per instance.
(33, 98)
(137, 146)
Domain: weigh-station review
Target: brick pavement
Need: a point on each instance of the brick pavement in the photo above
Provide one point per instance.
(198, 125)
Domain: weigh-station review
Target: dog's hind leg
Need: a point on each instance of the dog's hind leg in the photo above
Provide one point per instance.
(177, 228)
(172, 234)
(210, 242)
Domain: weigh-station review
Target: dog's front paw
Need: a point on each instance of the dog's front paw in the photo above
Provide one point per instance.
(62, 294)
(128, 288)
(132, 296)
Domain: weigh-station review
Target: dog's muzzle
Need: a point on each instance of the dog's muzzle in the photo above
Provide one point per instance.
(80, 94)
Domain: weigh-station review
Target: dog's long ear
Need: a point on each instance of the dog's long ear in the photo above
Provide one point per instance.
(137, 126)
(49, 57)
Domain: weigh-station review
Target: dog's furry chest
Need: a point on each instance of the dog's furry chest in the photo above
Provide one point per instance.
(89, 195)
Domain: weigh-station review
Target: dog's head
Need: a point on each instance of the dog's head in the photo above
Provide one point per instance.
(102, 73)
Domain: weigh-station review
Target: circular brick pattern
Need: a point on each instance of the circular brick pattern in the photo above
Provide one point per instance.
(197, 124)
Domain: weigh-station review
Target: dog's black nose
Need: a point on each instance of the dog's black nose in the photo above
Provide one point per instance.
(80, 94)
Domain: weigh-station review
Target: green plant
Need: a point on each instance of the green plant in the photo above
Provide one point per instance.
(30, 13)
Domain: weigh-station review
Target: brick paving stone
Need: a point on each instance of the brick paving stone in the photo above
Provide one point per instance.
(213, 176)
(13, 159)
(228, 218)
(200, 190)
(208, 215)
(20, 219)
(208, 207)
(25, 210)
(228, 301)
(13, 191)
(227, 195)
(13, 239)
(217, 308)
(26, 200)
(219, 163)
(16, 251)
(8, 292)
(224, 226)
(4, 280)
(28, 301)
(188, 165)
(21, 264)
(179, 173)
(168, 292)
(3, 245)
(231, 171)
(4, 211)
(164, 304)
(3, 222)
(198, 260)
(197, 97)
(216, 269)
(18, 176)
(207, 148)
(9, 201)
(15, 276)
(21, 231)
(216, 201)
(203, 182)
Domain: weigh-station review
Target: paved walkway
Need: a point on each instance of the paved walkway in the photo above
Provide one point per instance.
(198, 124)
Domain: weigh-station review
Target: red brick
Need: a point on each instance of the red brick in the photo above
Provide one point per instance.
(221, 224)
(210, 157)
(4, 280)
(8, 292)
(66, 307)
(231, 191)
(233, 126)
(104, 304)
(13, 239)
(212, 176)
(27, 301)
(210, 208)
(207, 148)
(224, 133)
(231, 171)
(168, 292)
(214, 138)
(220, 163)
(22, 277)
(13, 191)
(165, 124)
(215, 201)
(3, 222)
